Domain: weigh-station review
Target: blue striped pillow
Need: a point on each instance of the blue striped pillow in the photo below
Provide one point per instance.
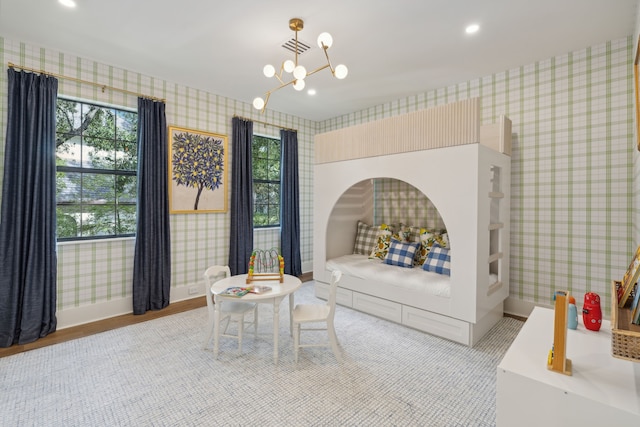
(438, 260)
(401, 253)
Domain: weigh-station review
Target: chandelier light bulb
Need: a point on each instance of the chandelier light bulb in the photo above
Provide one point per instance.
(300, 72)
(326, 39)
(341, 71)
(299, 84)
(258, 103)
(288, 65)
(269, 70)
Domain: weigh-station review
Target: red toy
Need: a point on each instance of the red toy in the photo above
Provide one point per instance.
(591, 312)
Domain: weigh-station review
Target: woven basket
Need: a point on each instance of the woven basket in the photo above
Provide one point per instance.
(625, 336)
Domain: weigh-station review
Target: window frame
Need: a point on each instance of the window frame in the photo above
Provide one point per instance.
(267, 181)
(115, 173)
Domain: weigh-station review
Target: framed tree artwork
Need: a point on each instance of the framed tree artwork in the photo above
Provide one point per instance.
(197, 171)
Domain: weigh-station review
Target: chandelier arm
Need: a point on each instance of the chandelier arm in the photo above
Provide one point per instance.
(266, 101)
(318, 69)
(268, 94)
(296, 51)
(326, 54)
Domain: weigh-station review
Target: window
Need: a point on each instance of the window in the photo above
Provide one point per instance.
(96, 163)
(266, 181)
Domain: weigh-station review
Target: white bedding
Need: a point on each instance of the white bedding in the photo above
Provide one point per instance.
(416, 278)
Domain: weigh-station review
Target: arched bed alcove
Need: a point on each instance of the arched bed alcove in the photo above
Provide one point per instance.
(374, 201)
(440, 153)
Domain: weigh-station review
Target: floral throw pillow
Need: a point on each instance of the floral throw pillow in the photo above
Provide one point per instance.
(384, 240)
(403, 233)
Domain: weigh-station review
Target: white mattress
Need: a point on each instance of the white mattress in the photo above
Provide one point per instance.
(374, 269)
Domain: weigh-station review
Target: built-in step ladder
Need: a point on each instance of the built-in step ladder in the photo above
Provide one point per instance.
(496, 228)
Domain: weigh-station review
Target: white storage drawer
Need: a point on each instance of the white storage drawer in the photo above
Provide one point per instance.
(436, 324)
(378, 307)
(343, 296)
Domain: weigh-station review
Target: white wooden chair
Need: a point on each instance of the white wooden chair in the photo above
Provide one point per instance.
(318, 313)
(229, 310)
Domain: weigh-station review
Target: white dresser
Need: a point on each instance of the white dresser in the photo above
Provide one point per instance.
(602, 391)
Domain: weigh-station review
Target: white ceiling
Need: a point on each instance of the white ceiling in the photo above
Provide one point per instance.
(392, 48)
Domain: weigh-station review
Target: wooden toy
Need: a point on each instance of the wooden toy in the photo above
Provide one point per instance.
(557, 359)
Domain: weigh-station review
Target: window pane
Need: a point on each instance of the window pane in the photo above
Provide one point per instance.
(126, 126)
(99, 220)
(68, 130)
(260, 193)
(274, 150)
(127, 155)
(99, 153)
(274, 170)
(274, 215)
(68, 220)
(126, 189)
(68, 187)
(126, 219)
(260, 168)
(99, 122)
(98, 188)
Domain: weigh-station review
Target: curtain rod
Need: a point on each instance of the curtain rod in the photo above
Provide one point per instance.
(265, 123)
(103, 87)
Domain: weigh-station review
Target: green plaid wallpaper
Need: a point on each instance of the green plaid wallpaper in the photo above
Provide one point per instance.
(572, 165)
(397, 202)
(572, 169)
(101, 271)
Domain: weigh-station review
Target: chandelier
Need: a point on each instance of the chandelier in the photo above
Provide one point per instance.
(299, 71)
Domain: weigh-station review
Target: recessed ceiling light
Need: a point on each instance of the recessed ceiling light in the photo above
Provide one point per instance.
(473, 28)
(67, 3)
(311, 91)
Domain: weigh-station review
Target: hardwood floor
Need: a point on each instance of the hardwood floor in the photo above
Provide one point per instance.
(87, 329)
(112, 323)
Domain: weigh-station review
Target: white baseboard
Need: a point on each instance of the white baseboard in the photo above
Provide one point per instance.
(307, 267)
(94, 312)
(518, 307)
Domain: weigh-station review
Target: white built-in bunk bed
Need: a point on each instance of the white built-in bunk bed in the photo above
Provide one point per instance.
(464, 170)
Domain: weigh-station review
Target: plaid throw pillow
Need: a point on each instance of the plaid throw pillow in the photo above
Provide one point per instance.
(366, 238)
(401, 253)
(438, 260)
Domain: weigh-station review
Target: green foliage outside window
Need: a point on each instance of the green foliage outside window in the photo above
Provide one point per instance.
(266, 181)
(96, 163)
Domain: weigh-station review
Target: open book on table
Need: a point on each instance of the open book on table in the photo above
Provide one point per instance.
(240, 291)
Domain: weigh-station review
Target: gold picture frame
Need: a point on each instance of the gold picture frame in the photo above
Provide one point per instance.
(636, 84)
(197, 171)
